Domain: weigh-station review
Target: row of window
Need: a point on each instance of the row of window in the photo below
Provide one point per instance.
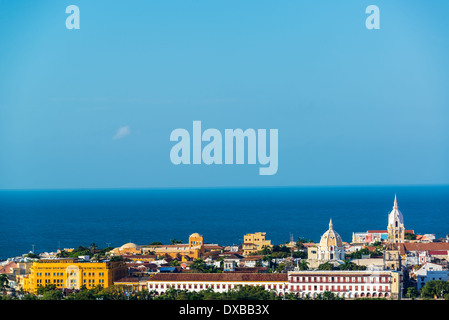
(60, 274)
(376, 279)
(73, 281)
(337, 288)
(213, 286)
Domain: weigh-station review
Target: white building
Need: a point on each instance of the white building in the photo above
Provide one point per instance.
(218, 282)
(346, 284)
(429, 272)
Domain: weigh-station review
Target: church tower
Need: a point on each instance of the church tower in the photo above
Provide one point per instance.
(396, 229)
(330, 249)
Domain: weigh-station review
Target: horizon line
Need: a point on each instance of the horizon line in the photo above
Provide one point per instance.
(225, 187)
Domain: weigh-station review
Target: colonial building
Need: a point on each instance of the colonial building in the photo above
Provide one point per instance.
(218, 282)
(423, 252)
(253, 242)
(193, 250)
(330, 249)
(70, 273)
(395, 228)
(346, 284)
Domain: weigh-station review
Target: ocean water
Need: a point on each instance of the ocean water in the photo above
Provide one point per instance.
(50, 219)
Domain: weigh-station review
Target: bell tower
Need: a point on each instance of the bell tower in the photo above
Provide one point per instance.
(396, 229)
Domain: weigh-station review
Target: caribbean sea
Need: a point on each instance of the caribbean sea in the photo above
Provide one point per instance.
(52, 219)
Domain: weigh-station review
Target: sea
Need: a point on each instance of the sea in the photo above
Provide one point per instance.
(45, 220)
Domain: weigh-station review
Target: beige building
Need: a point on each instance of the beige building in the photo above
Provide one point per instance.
(253, 242)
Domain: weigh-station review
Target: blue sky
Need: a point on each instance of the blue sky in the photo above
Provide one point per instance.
(353, 106)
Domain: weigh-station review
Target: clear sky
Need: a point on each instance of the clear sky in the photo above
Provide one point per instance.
(94, 107)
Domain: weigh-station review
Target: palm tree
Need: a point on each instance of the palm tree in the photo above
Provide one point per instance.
(93, 246)
(347, 265)
(4, 282)
(303, 265)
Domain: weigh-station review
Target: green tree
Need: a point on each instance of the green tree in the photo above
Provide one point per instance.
(412, 292)
(62, 254)
(198, 265)
(52, 295)
(41, 289)
(32, 255)
(116, 258)
(328, 295)
(303, 265)
(435, 288)
(4, 282)
(409, 236)
(348, 265)
(326, 266)
(174, 263)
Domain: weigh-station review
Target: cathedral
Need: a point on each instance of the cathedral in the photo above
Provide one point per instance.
(330, 249)
(396, 229)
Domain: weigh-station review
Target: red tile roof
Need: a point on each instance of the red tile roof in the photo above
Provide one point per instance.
(420, 246)
(7, 268)
(252, 258)
(218, 277)
(438, 252)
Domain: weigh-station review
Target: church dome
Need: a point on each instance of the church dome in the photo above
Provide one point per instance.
(128, 246)
(195, 235)
(331, 238)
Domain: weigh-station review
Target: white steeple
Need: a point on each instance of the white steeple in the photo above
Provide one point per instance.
(395, 215)
(396, 227)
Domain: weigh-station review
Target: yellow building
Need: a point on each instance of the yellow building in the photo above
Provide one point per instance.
(194, 249)
(69, 273)
(253, 242)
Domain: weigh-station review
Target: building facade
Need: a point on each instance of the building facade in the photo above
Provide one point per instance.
(346, 284)
(72, 274)
(218, 282)
(193, 250)
(253, 242)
